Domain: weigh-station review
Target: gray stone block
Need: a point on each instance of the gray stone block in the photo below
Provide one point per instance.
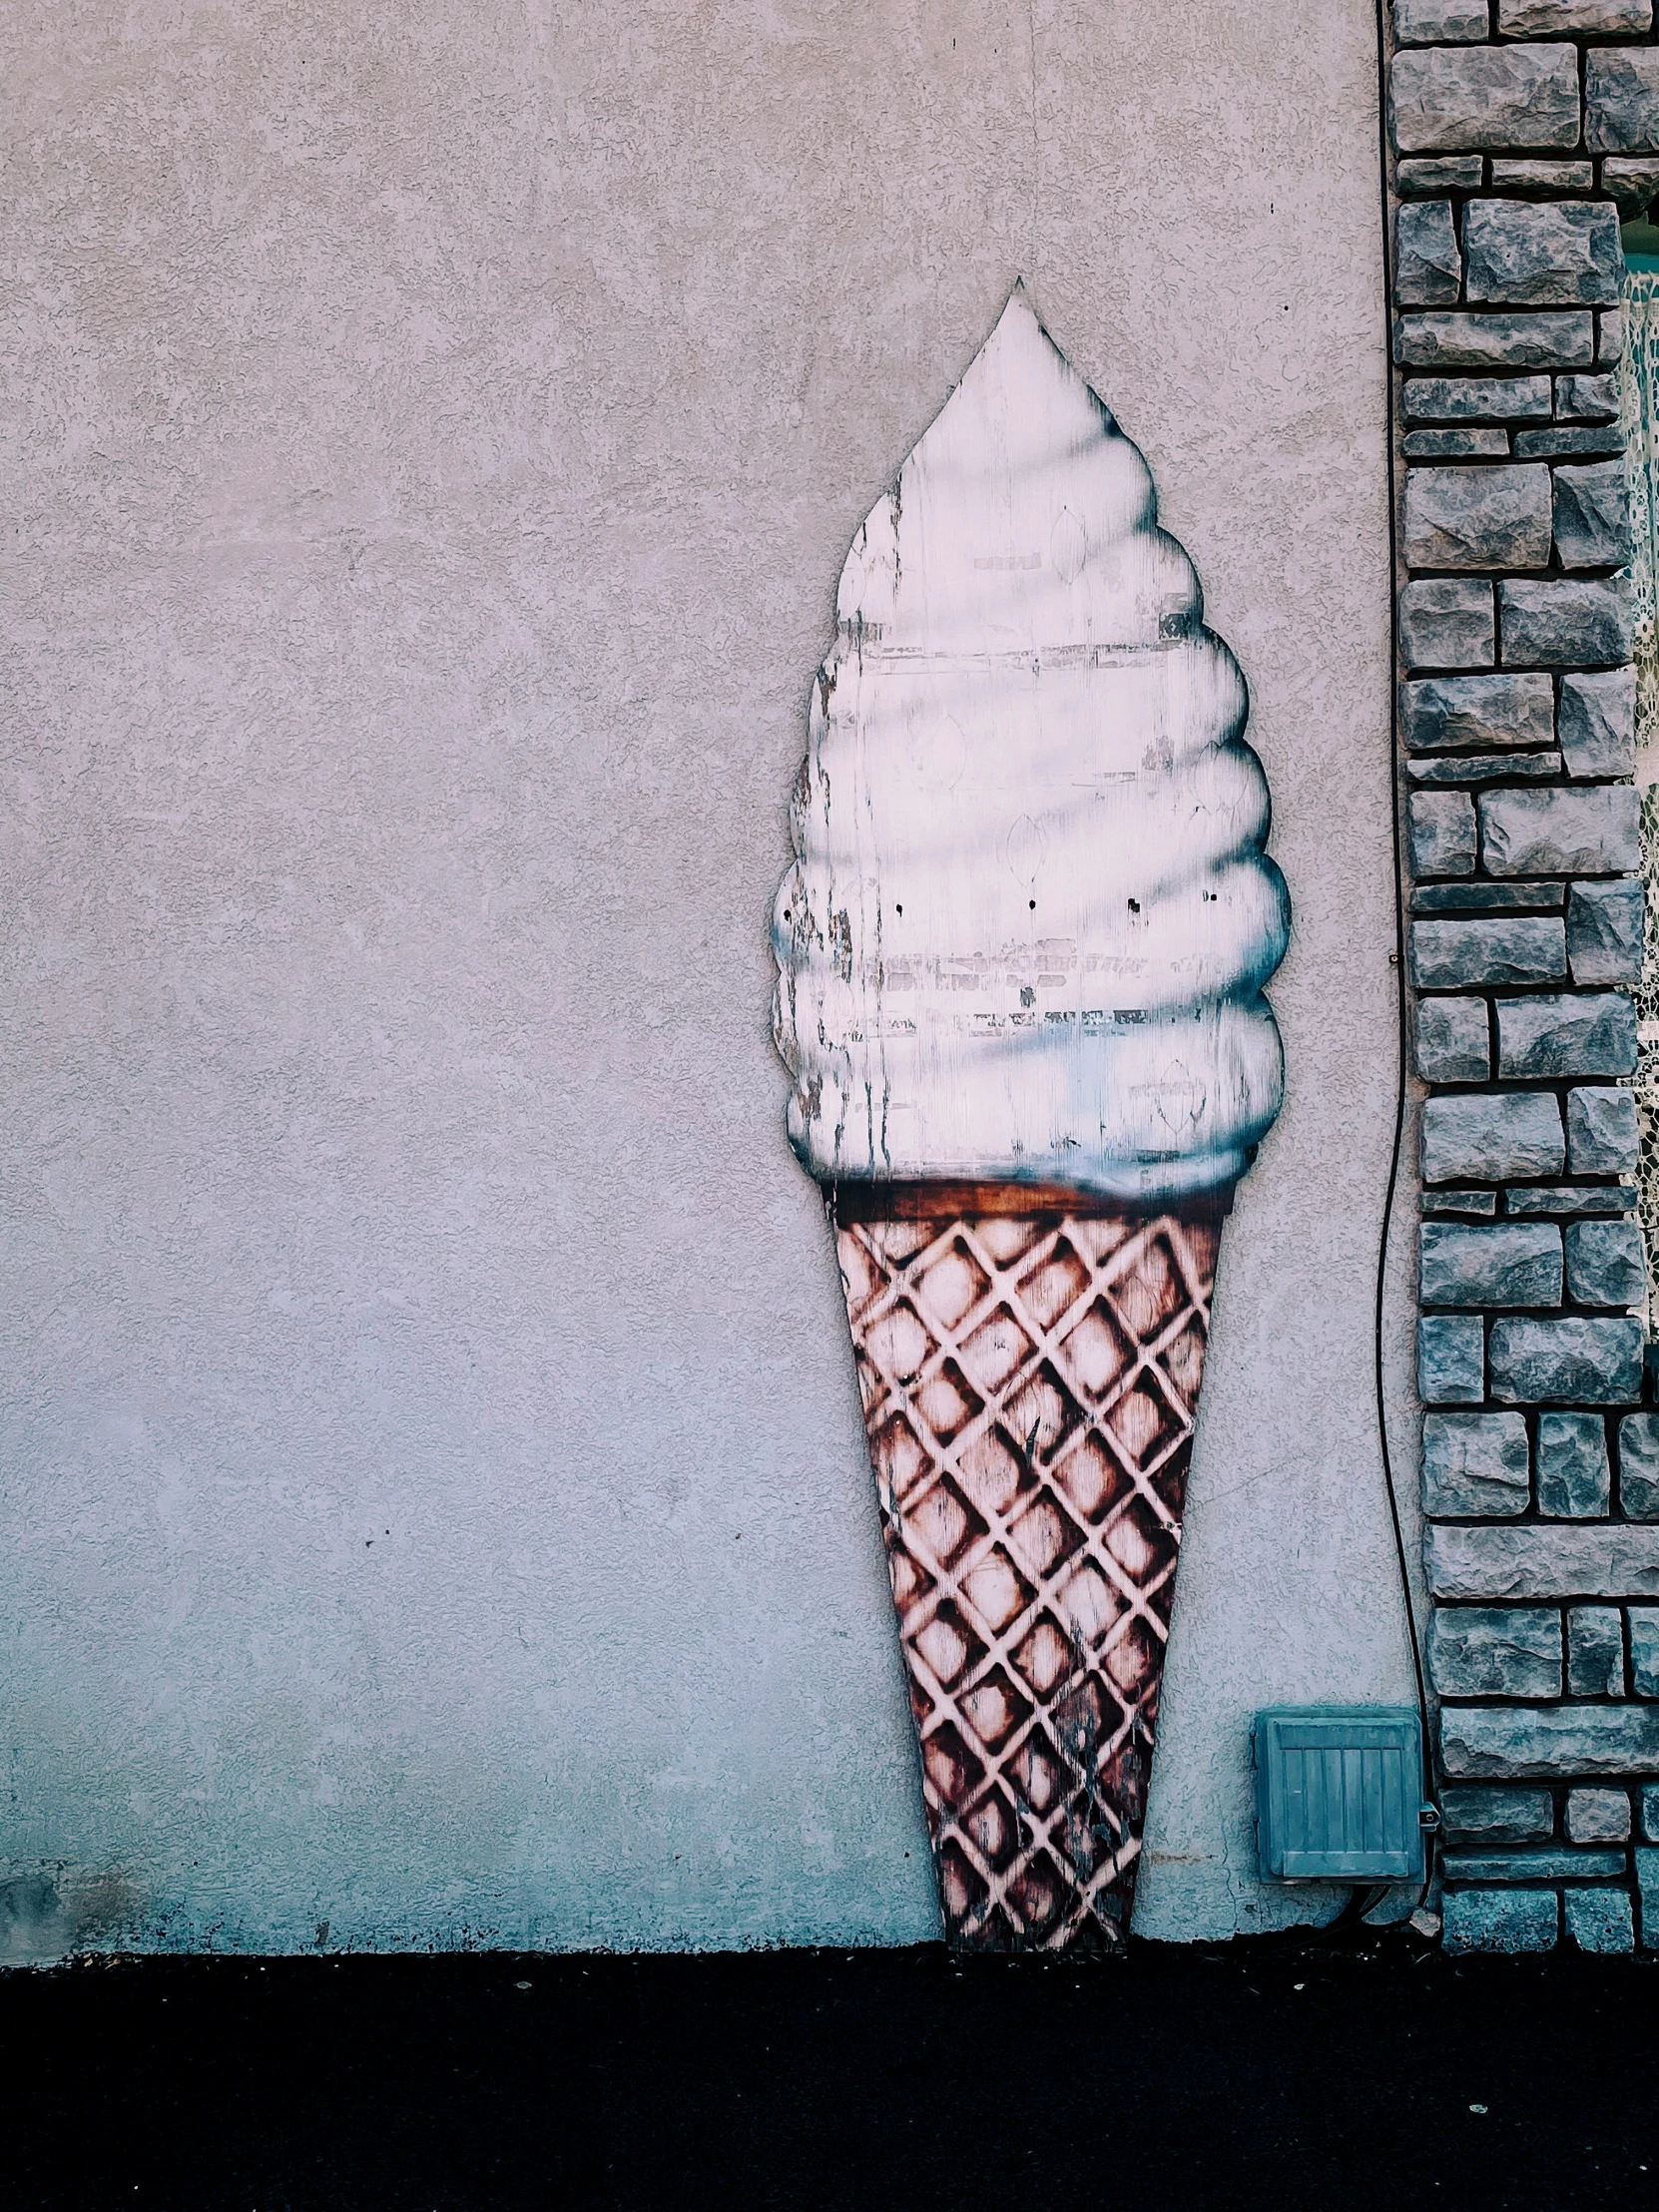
(1499, 1920)
(1598, 1817)
(1592, 516)
(1475, 1463)
(1591, 1033)
(1621, 87)
(1578, 623)
(1448, 622)
(1512, 948)
(1447, 100)
(1514, 1816)
(1548, 1742)
(1451, 1041)
(1485, 767)
(1496, 1651)
(1614, 1559)
(1546, 1862)
(1649, 1804)
(1543, 179)
(1595, 1651)
(1437, 173)
(1472, 1205)
(1631, 181)
(1441, 712)
(1557, 18)
(1448, 338)
(1458, 445)
(1597, 723)
(1484, 896)
(1554, 1362)
(1515, 1135)
(1570, 1199)
(1605, 928)
(1588, 398)
(1609, 338)
(1568, 442)
(1514, 1264)
(1452, 1359)
(1644, 1650)
(1638, 1467)
(1599, 1920)
(1478, 399)
(1601, 1131)
(1479, 518)
(1593, 829)
(1605, 1264)
(1439, 22)
(1647, 1890)
(1574, 1481)
(1541, 253)
(1428, 270)
(1441, 833)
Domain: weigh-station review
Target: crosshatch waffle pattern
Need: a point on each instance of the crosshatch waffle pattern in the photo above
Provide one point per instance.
(1030, 1384)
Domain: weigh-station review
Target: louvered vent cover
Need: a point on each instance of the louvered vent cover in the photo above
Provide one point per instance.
(1338, 1789)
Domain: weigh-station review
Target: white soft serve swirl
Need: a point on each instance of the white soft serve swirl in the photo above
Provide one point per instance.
(1029, 918)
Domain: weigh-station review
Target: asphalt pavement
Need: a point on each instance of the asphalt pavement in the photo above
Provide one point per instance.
(1369, 2069)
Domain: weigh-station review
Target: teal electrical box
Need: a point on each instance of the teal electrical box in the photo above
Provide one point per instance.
(1338, 1793)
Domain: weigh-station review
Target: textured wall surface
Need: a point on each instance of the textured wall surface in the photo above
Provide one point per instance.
(436, 1501)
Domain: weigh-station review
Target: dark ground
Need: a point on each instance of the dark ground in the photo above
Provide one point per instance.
(1277, 2072)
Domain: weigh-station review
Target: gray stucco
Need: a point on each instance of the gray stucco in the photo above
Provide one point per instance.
(436, 1502)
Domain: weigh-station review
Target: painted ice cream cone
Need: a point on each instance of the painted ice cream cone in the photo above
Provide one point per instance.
(1020, 962)
(1030, 1380)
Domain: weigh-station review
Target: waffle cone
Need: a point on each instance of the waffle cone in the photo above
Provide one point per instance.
(1030, 1383)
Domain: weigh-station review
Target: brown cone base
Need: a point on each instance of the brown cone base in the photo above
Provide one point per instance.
(1030, 1383)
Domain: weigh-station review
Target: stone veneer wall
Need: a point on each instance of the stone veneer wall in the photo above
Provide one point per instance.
(1521, 132)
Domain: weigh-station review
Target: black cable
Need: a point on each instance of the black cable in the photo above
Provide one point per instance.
(1401, 1037)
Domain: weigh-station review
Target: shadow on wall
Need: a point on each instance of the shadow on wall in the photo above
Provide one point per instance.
(46, 1914)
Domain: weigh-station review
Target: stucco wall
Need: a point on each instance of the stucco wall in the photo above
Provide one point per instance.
(436, 1501)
